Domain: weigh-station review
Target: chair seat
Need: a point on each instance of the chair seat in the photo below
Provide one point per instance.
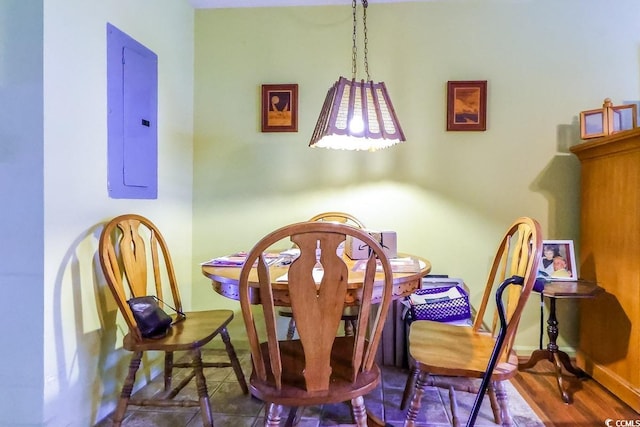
(293, 392)
(430, 343)
(197, 329)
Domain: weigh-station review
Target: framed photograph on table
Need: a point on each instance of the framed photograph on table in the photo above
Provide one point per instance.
(467, 105)
(279, 108)
(558, 260)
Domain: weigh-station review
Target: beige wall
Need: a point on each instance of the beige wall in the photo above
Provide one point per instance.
(83, 361)
(449, 195)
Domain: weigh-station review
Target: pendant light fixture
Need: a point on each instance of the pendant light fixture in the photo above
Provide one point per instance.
(357, 115)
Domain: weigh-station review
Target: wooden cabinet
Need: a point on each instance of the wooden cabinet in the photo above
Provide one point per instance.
(609, 253)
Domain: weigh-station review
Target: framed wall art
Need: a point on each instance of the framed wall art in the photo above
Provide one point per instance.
(279, 109)
(467, 105)
(558, 260)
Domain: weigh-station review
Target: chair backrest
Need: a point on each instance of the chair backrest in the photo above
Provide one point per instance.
(339, 217)
(135, 260)
(518, 255)
(317, 303)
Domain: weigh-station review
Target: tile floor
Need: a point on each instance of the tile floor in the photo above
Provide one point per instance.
(233, 409)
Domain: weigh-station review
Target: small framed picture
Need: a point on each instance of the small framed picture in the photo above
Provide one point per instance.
(467, 105)
(280, 108)
(622, 117)
(558, 260)
(608, 120)
(593, 123)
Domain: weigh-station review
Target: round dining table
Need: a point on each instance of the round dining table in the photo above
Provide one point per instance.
(225, 280)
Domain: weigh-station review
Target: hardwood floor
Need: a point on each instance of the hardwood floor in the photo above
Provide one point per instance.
(592, 404)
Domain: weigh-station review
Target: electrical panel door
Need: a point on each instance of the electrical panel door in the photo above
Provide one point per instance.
(132, 86)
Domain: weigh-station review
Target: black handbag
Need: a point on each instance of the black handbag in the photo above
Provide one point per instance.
(153, 322)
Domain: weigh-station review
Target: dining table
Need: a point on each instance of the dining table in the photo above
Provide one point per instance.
(407, 277)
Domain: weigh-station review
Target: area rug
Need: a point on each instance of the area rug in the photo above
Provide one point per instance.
(436, 410)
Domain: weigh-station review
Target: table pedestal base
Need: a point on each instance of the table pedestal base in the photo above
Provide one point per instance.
(559, 359)
(553, 354)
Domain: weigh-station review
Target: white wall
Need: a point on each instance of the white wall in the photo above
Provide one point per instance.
(449, 195)
(84, 364)
(21, 211)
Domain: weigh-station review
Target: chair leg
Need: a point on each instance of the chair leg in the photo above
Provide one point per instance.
(414, 408)
(127, 388)
(408, 387)
(495, 406)
(291, 330)
(203, 394)
(294, 417)
(168, 370)
(272, 415)
(235, 363)
(359, 411)
(503, 401)
(348, 328)
(453, 403)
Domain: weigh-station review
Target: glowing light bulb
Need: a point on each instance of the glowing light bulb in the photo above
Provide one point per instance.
(356, 125)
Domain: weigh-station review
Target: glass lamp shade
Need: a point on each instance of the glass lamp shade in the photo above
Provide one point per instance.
(357, 116)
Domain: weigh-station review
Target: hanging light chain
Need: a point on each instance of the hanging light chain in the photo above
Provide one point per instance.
(354, 49)
(365, 3)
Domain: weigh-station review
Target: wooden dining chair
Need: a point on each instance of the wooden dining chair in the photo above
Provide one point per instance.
(135, 260)
(339, 217)
(319, 367)
(442, 352)
(350, 313)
